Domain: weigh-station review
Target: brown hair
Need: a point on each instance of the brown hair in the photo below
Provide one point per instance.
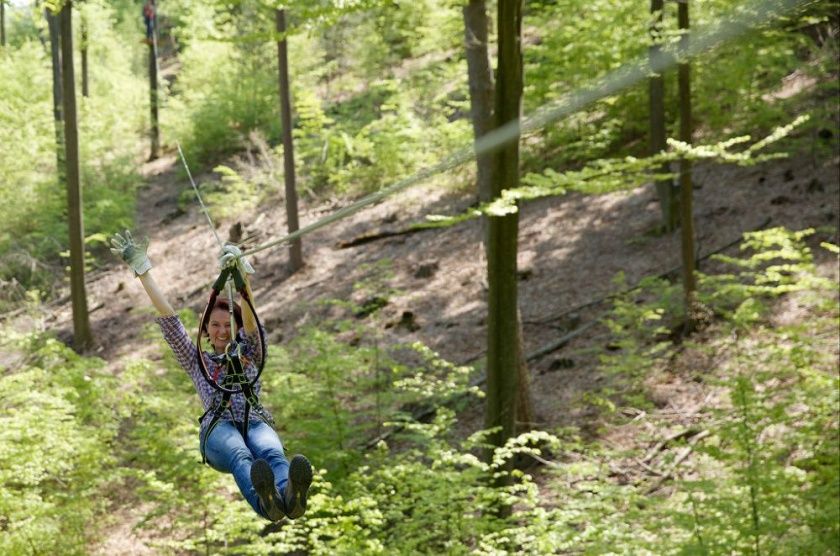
(223, 304)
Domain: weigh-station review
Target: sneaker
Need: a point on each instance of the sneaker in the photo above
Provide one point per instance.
(262, 477)
(300, 477)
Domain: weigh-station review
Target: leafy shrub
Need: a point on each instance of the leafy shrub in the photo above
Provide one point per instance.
(56, 433)
(34, 234)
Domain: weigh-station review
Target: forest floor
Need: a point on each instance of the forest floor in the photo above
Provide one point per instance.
(570, 250)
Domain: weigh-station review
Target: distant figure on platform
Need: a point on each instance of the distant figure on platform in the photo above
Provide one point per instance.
(149, 19)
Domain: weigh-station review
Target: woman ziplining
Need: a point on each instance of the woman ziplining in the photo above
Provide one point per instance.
(236, 434)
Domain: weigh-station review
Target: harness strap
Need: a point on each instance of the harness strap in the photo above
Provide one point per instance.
(235, 380)
(218, 410)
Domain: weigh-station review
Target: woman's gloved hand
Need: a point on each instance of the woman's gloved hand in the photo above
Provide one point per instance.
(231, 256)
(133, 253)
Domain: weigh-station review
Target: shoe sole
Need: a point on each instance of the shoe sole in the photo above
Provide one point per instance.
(300, 477)
(262, 478)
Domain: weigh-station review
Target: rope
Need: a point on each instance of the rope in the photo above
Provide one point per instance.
(197, 194)
(212, 229)
(750, 16)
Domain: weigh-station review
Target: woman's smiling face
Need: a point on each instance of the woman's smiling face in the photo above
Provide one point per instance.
(219, 330)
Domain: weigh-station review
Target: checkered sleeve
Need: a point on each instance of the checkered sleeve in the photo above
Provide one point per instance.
(176, 336)
(251, 348)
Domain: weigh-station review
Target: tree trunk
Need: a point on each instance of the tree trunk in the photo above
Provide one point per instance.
(503, 343)
(686, 193)
(2, 22)
(295, 248)
(524, 405)
(81, 325)
(154, 132)
(55, 57)
(480, 76)
(83, 47)
(656, 82)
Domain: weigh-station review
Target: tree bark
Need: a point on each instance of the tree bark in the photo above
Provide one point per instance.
(480, 77)
(686, 192)
(154, 132)
(83, 47)
(55, 57)
(656, 85)
(481, 87)
(82, 338)
(503, 343)
(296, 246)
(2, 22)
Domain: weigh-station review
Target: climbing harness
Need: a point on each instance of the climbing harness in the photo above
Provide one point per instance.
(235, 381)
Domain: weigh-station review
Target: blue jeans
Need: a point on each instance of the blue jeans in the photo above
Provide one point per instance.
(229, 453)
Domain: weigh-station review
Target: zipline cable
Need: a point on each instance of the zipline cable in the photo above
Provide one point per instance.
(212, 229)
(748, 17)
(198, 195)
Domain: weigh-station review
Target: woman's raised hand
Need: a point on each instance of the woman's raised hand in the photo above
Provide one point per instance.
(132, 252)
(231, 256)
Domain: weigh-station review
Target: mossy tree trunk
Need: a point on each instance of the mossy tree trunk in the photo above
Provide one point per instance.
(58, 121)
(686, 193)
(503, 337)
(83, 48)
(480, 78)
(154, 96)
(656, 87)
(82, 338)
(2, 22)
(481, 87)
(295, 248)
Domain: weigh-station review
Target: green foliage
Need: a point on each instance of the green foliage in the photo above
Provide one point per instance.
(380, 127)
(776, 445)
(764, 478)
(732, 87)
(434, 497)
(34, 233)
(230, 195)
(607, 175)
(56, 433)
(640, 325)
(222, 94)
(380, 90)
(779, 262)
(767, 478)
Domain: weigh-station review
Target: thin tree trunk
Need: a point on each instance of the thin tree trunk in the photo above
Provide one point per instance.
(524, 405)
(656, 83)
(55, 57)
(83, 47)
(481, 86)
(295, 248)
(686, 193)
(154, 132)
(81, 324)
(2, 22)
(503, 345)
(480, 77)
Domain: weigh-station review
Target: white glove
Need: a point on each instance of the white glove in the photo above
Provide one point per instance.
(131, 252)
(231, 256)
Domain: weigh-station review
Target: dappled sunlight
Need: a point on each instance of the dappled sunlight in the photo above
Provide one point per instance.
(655, 418)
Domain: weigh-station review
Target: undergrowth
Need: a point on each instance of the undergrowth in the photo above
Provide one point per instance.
(760, 476)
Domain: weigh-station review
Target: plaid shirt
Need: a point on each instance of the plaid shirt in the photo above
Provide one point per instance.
(185, 352)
